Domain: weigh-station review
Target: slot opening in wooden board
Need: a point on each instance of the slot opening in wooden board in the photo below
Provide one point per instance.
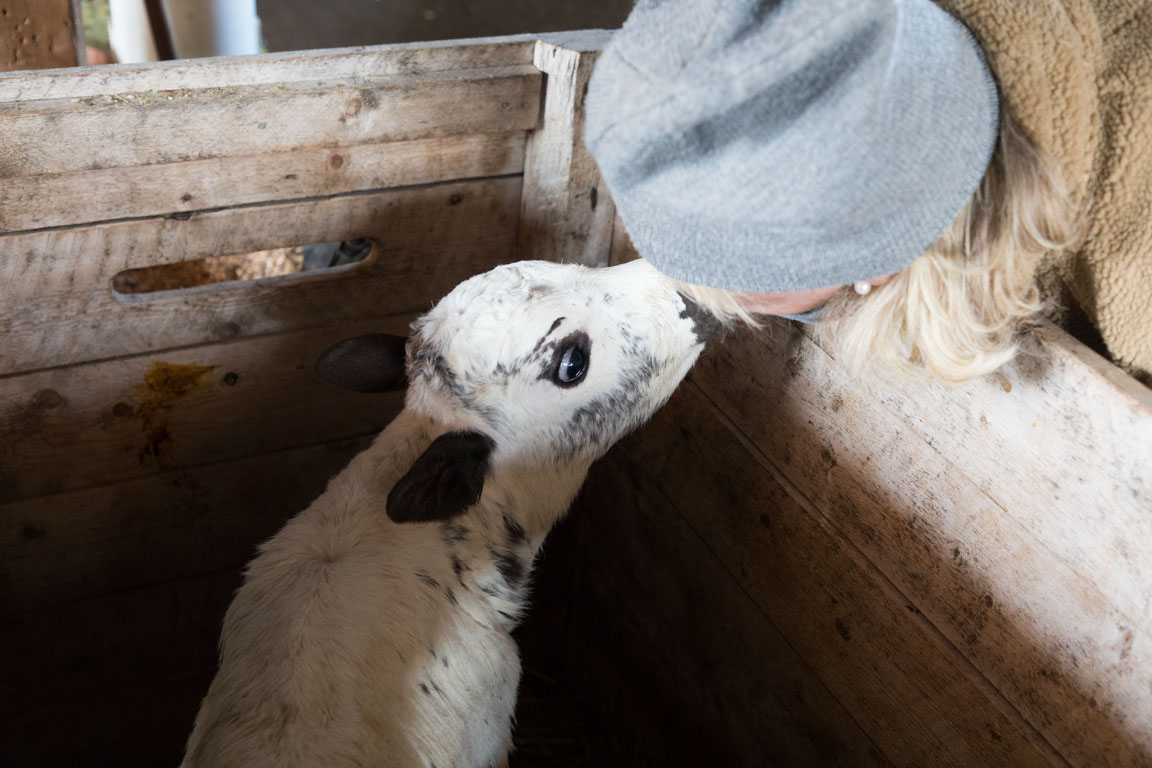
(267, 266)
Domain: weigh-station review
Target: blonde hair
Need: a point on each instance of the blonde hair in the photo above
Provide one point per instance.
(957, 311)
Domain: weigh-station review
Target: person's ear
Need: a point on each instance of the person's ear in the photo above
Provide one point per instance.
(444, 481)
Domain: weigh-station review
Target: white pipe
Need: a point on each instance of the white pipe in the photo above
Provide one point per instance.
(129, 34)
(213, 27)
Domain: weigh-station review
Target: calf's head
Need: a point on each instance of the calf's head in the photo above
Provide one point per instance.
(536, 364)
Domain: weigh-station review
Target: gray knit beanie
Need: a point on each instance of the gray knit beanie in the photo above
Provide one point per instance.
(780, 145)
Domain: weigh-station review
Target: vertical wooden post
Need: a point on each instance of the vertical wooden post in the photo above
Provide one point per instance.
(566, 213)
(39, 34)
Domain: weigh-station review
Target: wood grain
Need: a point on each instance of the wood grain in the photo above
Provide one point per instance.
(689, 646)
(1015, 597)
(65, 135)
(917, 699)
(81, 426)
(566, 211)
(296, 66)
(84, 197)
(163, 527)
(38, 34)
(56, 306)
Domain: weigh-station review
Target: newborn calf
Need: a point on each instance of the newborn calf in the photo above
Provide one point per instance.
(374, 629)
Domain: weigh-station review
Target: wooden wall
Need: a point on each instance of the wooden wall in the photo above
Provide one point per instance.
(791, 567)
(149, 442)
(787, 567)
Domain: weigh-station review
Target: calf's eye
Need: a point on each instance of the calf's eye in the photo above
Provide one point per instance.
(572, 365)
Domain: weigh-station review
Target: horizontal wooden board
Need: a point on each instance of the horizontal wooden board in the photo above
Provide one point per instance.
(903, 683)
(91, 648)
(90, 730)
(1061, 440)
(57, 308)
(64, 199)
(722, 679)
(164, 527)
(88, 425)
(296, 66)
(1062, 648)
(64, 135)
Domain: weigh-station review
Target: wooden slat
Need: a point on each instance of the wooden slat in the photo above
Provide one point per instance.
(917, 699)
(722, 678)
(56, 306)
(38, 34)
(86, 425)
(55, 200)
(171, 126)
(1077, 433)
(89, 649)
(296, 66)
(132, 581)
(1017, 586)
(566, 211)
(163, 527)
(90, 731)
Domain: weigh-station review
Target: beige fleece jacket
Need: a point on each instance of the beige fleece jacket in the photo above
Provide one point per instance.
(1078, 76)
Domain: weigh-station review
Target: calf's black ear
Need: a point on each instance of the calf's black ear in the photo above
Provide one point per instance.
(371, 363)
(446, 479)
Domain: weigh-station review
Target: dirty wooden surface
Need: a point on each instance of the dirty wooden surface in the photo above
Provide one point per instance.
(348, 64)
(182, 188)
(66, 135)
(60, 309)
(977, 511)
(918, 701)
(672, 640)
(1028, 610)
(120, 419)
(166, 560)
(39, 34)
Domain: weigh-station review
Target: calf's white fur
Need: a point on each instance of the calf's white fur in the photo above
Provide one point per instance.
(374, 629)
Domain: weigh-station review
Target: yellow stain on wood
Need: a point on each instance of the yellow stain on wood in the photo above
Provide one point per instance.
(164, 383)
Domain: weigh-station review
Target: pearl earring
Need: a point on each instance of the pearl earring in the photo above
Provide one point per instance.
(862, 287)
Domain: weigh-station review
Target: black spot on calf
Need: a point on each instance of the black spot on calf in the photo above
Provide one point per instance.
(704, 324)
(510, 567)
(514, 531)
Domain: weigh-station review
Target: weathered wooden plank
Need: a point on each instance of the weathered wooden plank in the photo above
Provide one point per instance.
(173, 126)
(1061, 648)
(918, 699)
(56, 306)
(92, 648)
(1077, 434)
(724, 681)
(164, 527)
(37, 34)
(80, 197)
(566, 211)
(86, 425)
(91, 730)
(296, 66)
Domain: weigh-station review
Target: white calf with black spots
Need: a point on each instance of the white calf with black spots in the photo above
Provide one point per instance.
(374, 629)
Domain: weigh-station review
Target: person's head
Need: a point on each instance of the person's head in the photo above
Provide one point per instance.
(956, 312)
(793, 149)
